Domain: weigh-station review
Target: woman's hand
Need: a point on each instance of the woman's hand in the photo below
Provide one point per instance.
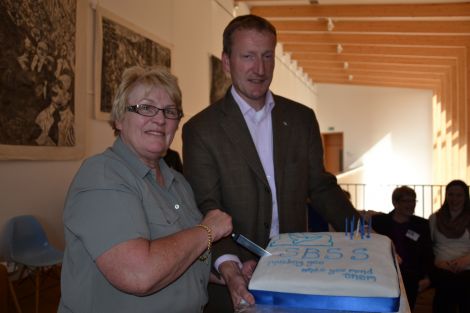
(445, 265)
(219, 222)
(459, 264)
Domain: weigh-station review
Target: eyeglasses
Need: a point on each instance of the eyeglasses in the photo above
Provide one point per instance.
(150, 110)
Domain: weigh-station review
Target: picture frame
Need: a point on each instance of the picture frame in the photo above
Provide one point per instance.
(120, 44)
(42, 86)
(220, 81)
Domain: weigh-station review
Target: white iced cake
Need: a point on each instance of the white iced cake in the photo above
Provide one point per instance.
(328, 271)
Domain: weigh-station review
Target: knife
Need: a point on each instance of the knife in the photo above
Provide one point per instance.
(250, 245)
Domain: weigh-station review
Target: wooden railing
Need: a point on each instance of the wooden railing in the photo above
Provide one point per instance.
(379, 197)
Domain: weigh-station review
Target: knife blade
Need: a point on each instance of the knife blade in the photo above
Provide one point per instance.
(250, 245)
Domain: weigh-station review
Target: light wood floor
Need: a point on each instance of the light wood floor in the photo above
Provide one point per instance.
(49, 295)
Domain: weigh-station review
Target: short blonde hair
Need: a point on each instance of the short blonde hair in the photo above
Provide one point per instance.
(157, 76)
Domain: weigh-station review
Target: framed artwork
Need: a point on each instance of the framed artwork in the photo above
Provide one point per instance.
(119, 45)
(220, 80)
(42, 82)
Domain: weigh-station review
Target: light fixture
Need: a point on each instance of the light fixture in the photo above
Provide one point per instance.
(345, 65)
(330, 26)
(350, 77)
(339, 48)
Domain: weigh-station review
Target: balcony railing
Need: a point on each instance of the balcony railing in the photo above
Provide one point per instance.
(379, 197)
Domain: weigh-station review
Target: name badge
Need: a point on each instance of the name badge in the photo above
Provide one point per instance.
(412, 235)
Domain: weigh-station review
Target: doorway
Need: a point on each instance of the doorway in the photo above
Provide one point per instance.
(333, 152)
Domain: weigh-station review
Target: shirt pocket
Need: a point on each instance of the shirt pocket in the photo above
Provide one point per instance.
(162, 217)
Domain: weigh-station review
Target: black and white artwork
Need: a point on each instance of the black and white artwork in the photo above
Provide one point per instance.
(37, 72)
(121, 45)
(220, 81)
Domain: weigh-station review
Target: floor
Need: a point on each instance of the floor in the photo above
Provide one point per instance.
(50, 296)
(424, 302)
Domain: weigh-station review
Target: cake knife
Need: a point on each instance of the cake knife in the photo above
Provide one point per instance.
(250, 245)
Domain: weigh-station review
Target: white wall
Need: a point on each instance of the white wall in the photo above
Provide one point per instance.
(194, 31)
(387, 133)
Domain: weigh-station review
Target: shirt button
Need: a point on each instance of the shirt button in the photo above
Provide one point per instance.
(177, 206)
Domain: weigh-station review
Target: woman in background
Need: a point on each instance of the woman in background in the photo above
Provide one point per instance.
(450, 233)
(411, 238)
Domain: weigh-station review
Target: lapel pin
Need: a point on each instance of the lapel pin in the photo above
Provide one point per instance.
(285, 123)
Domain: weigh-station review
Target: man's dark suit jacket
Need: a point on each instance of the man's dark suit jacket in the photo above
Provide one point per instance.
(222, 165)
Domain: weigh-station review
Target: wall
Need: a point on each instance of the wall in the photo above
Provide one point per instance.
(194, 31)
(387, 133)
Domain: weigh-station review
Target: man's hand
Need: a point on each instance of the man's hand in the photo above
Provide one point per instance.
(248, 268)
(237, 282)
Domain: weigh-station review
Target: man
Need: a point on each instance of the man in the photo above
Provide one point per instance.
(412, 240)
(258, 157)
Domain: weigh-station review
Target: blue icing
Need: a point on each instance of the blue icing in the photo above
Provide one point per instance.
(328, 254)
(303, 239)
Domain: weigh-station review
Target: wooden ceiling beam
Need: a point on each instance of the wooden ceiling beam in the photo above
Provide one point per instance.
(365, 26)
(373, 59)
(380, 83)
(374, 39)
(376, 72)
(364, 10)
(312, 65)
(438, 52)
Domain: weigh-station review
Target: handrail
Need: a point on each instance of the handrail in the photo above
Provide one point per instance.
(379, 197)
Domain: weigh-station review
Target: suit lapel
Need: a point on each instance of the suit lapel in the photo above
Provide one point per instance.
(281, 130)
(238, 134)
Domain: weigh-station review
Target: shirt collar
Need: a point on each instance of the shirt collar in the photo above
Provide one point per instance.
(121, 149)
(245, 108)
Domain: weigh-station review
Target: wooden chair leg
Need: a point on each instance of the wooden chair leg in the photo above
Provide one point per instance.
(13, 295)
(37, 283)
(7, 291)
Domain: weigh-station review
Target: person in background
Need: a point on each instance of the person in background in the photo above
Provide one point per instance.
(258, 157)
(412, 240)
(173, 160)
(450, 233)
(135, 240)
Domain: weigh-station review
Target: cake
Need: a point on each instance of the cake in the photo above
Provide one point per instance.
(328, 271)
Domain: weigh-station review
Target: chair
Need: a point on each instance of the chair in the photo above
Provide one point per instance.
(27, 245)
(6, 289)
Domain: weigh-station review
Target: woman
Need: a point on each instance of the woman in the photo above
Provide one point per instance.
(135, 240)
(411, 238)
(450, 233)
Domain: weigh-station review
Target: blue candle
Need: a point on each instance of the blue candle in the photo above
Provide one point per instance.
(351, 231)
(362, 227)
(346, 226)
